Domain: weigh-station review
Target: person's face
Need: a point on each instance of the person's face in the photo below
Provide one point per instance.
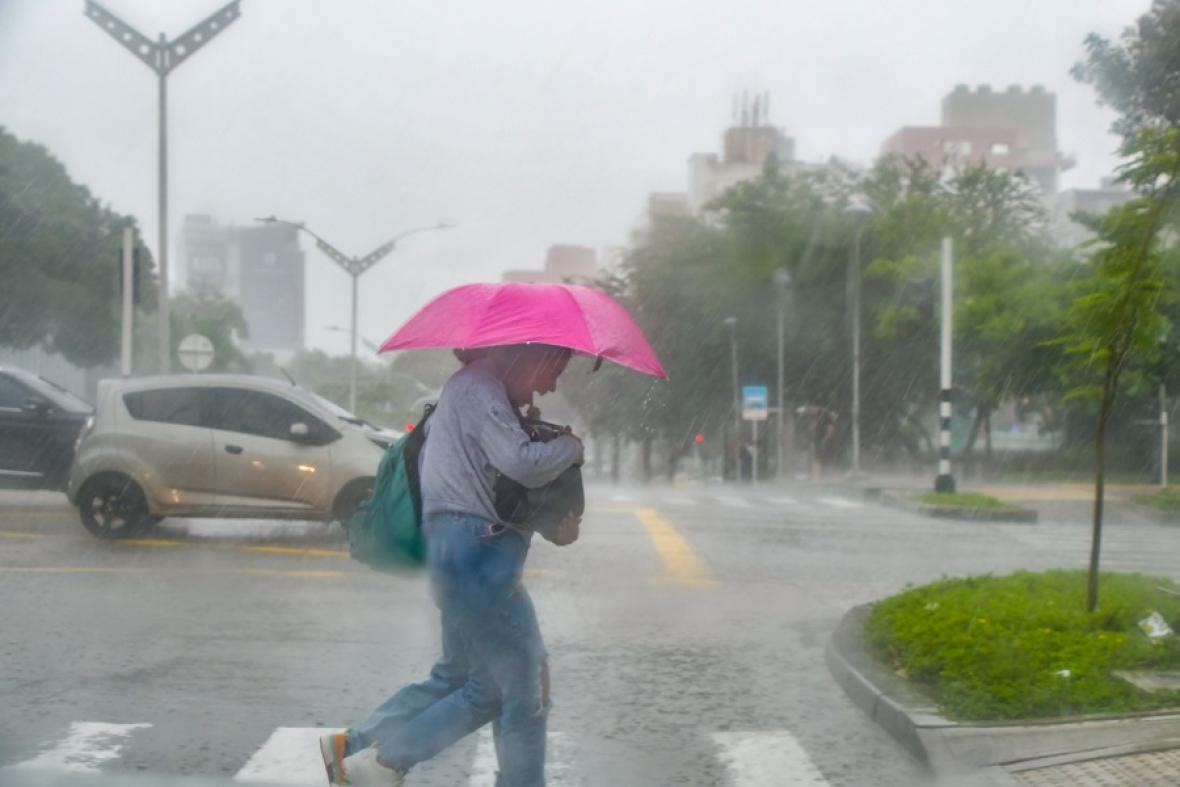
(535, 374)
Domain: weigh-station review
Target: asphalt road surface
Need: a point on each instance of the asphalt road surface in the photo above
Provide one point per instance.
(686, 631)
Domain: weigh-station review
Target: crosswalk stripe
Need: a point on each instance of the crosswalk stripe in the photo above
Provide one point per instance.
(621, 499)
(291, 755)
(679, 501)
(783, 501)
(558, 751)
(766, 759)
(87, 745)
(734, 502)
(839, 502)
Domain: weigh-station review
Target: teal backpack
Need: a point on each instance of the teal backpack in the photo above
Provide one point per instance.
(385, 532)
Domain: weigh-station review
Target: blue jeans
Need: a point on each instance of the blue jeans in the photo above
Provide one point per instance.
(493, 662)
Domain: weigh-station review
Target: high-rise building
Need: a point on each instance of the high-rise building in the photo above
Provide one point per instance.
(1014, 130)
(563, 263)
(746, 147)
(1092, 202)
(262, 268)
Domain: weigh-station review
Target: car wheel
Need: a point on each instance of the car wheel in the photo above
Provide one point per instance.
(351, 497)
(113, 506)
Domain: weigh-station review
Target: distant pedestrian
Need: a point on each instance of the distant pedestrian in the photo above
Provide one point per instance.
(494, 665)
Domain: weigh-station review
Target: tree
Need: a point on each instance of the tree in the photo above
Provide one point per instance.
(1116, 317)
(218, 319)
(60, 251)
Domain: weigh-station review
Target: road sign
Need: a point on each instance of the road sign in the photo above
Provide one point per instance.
(195, 352)
(755, 402)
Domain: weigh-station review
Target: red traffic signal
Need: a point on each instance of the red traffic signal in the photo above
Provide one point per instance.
(409, 427)
(698, 438)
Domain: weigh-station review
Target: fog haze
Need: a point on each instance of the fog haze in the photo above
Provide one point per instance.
(527, 124)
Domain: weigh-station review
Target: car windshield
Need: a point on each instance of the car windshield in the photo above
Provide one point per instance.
(852, 329)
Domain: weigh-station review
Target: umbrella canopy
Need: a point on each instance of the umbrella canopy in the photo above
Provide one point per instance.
(583, 319)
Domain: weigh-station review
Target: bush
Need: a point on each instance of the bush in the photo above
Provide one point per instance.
(1166, 499)
(1024, 646)
(962, 500)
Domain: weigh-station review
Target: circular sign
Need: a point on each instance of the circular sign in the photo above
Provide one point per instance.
(195, 352)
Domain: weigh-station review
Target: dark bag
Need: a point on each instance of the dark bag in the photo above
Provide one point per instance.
(544, 507)
(385, 533)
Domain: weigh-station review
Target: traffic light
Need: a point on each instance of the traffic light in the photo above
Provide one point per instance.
(698, 438)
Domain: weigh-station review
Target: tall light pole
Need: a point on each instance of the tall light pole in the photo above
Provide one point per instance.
(731, 323)
(354, 267)
(860, 213)
(782, 280)
(945, 481)
(163, 56)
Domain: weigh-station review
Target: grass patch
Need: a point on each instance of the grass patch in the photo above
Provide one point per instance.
(962, 500)
(995, 648)
(1167, 499)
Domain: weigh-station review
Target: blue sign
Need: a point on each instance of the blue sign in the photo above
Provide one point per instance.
(755, 401)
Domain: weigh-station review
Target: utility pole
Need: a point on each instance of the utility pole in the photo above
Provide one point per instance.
(945, 482)
(1163, 436)
(354, 267)
(731, 322)
(163, 57)
(782, 278)
(128, 296)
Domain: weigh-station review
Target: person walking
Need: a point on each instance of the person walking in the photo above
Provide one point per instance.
(493, 666)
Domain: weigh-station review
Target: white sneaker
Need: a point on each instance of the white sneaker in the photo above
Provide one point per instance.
(363, 770)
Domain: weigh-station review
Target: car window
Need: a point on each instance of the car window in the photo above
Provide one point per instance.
(166, 405)
(257, 413)
(12, 393)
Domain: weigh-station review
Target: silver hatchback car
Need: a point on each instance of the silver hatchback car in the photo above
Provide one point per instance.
(219, 446)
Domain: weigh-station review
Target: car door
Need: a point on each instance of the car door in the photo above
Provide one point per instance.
(25, 435)
(170, 445)
(261, 465)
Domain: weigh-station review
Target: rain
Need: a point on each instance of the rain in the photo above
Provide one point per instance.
(793, 362)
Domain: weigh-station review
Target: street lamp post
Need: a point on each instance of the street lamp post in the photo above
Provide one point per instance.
(782, 279)
(859, 212)
(163, 57)
(354, 267)
(731, 323)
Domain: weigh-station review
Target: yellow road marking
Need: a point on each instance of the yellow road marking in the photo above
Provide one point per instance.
(150, 542)
(682, 564)
(302, 551)
(15, 534)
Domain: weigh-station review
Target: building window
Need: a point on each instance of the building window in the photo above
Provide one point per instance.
(1001, 148)
(956, 147)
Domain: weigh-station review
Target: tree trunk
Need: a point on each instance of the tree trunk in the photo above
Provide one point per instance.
(673, 461)
(1099, 487)
(646, 454)
(616, 449)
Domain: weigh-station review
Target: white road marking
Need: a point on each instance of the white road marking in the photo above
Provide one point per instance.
(766, 759)
(558, 756)
(734, 502)
(839, 502)
(622, 499)
(87, 745)
(783, 501)
(291, 755)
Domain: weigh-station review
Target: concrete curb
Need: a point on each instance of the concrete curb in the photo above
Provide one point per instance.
(898, 499)
(950, 747)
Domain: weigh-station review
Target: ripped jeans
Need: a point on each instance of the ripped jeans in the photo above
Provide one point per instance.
(493, 666)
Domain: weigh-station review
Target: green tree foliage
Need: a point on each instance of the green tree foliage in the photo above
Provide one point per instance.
(60, 252)
(1117, 318)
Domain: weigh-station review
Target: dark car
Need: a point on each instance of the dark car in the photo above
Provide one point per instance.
(39, 425)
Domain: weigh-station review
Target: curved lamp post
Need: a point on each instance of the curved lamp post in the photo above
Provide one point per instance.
(354, 267)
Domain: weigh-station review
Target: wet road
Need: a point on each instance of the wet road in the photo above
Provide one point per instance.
(686, 632)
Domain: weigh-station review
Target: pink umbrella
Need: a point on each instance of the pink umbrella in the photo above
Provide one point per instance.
(566, 315)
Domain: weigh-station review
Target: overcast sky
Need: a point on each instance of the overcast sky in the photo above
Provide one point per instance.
(527, 122)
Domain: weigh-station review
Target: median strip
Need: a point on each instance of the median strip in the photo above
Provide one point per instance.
(682, 564)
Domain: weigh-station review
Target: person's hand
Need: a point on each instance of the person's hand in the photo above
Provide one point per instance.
(533, 413)
(567, 531)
